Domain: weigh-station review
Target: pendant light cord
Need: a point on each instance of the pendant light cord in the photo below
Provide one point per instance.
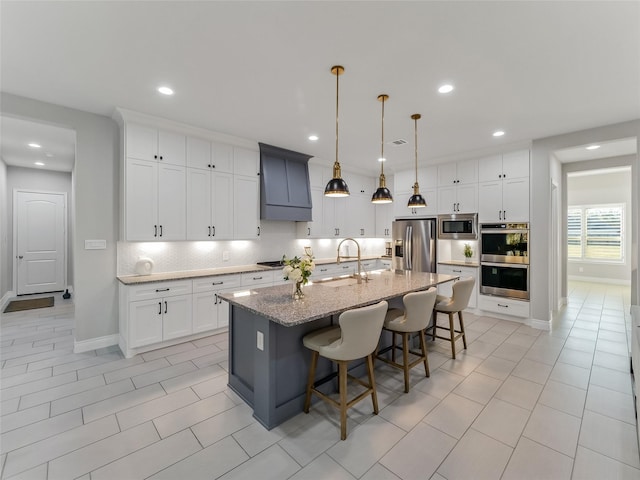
(337, 96)
(415, 130)
(382, 140)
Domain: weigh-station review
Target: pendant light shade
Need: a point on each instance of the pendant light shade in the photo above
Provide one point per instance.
(416, 200)
(337, 187)
(382, 194)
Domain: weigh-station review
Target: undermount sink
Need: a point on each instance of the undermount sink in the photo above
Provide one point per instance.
(338, 282)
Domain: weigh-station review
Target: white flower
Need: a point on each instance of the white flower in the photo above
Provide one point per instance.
(311, 266)
(286, 271)
(295, 275)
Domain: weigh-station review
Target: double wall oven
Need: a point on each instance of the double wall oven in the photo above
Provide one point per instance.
(504, 260)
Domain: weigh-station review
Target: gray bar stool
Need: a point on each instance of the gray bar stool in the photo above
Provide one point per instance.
(458, 301)
(415, 317)
(356, 337)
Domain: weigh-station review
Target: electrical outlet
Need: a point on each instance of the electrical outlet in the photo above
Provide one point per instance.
(260, 340)
(225, 256)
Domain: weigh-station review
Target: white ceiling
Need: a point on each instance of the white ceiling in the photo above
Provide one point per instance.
(261, 70)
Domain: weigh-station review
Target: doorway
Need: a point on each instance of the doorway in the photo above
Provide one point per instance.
(40, 241)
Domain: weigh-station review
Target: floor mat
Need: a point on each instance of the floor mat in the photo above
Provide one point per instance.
(30, 304)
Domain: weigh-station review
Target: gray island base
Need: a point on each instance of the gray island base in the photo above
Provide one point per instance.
(268, 365)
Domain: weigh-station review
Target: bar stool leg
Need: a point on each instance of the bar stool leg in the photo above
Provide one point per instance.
(312, 376)
(423, 347)
(342, 373)
(433, 329)
(393, 346)
(453, 335)
(405, 360)
(464, 337)
(372, 382)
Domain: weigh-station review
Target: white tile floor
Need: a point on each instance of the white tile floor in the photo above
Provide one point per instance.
(518, 404)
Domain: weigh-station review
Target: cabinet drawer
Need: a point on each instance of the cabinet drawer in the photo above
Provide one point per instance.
(209, 284)
(258, 278)
(505, 306)
(151, 291)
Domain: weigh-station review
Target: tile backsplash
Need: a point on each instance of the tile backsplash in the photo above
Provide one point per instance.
(277, 239)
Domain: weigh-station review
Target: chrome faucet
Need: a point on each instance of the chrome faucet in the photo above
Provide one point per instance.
(360, 269)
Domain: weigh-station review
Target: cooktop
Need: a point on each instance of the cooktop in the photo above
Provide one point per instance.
(274, 263)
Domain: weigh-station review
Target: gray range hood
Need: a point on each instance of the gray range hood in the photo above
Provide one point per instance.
(284, 184)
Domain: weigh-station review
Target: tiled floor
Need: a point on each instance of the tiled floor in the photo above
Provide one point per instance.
(518, 404)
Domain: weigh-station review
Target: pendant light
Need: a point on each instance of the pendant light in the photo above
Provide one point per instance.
(416, 200)
(382, 194)
(336, 187)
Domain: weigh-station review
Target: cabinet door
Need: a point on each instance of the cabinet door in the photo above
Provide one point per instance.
(447, 174)
(431, 197)
(515, 164)
(467, 171)
(141, 200)
(246, 205)
(141, 142)
(447, 199)
(222, 308)
(490, 202)
(515, 200)
(428, 178)
(360, 222)
(445, 289)
(384, 218)
(222, 210)
(172, 148)
(176, 316)
(172, 202)
(313, 229)
(329, 228)
(403, 181)
(205, 312)
(490, 168)
(342, 207)
(199, 204)
(318, 176)
(467, 198)
(198, 153)
(145, 322)
(246, 162)
(222, 157)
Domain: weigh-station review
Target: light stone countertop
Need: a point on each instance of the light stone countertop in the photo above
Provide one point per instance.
(457, 263)
(323, 299)
(209, 272)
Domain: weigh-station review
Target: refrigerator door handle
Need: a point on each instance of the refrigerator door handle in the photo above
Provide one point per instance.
(408, 247)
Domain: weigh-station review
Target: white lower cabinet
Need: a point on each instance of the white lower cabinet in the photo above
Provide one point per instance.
(446, 289)
(210, 311)
(505, 306)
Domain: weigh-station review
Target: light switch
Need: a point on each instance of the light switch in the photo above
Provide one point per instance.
(95, 244)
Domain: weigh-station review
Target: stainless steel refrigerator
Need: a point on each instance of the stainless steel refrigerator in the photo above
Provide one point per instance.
(414, 245)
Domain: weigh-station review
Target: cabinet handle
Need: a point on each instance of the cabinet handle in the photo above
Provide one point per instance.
(155, 156)
(155, 230)
(362, 232)
(257, 278)
(258, 231)
(500, 176)
(165, 306)
(324, 269)
(499, 214)
(504, 214)
(161, 157)
(214, 230)
(503, 306)
(162, 290)
(308, 231)
(160, 230)
(209, 230)
(504, 175)
(209, 165)
(160, 308)
(217, 283)
(457, 271)
(215, 296)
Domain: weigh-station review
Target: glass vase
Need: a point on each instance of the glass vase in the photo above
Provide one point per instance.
(297, 291)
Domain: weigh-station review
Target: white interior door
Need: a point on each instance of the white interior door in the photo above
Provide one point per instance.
(40, 241)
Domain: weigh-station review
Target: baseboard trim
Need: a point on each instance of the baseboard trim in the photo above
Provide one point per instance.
(95, 343)
(539, 324)
(608, 281)
(5, 299)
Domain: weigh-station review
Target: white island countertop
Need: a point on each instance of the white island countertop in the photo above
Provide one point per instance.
(323, 299)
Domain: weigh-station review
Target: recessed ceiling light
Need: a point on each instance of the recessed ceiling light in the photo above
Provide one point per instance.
(40, 164)
(498, 133)
(49, 155)
(34, 145)
(445, 88)
(165, 90)
(382, 159)
(593, 147)
(313, 138)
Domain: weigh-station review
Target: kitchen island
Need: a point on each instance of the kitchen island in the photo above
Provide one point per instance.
(268, 365)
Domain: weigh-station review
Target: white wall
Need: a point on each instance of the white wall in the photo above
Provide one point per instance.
(599, 189)
(96, 184)
(42, 180)
(541, 170)
(5, 282)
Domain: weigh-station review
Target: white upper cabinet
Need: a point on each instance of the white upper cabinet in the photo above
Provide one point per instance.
(246, 201)
(222, 157)
(171, 203)
(504, 166)
(198, 153)
(246, 162)
(209, 205)
(458, 199)
(427, 179)
(148, 143)
(460, 173)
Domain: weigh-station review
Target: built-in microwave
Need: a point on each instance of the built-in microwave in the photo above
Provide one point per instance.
(458, 226)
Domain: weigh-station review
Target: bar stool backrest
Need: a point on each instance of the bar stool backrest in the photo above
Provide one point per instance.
(460, 297)
(360, 331)
(418, 307)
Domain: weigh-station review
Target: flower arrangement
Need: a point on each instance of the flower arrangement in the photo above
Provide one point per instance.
(298, 270)
(468, 253)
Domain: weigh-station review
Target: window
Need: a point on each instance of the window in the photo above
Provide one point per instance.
(595, 232)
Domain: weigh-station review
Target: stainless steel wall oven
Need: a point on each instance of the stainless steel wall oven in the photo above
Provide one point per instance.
(504, 260)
